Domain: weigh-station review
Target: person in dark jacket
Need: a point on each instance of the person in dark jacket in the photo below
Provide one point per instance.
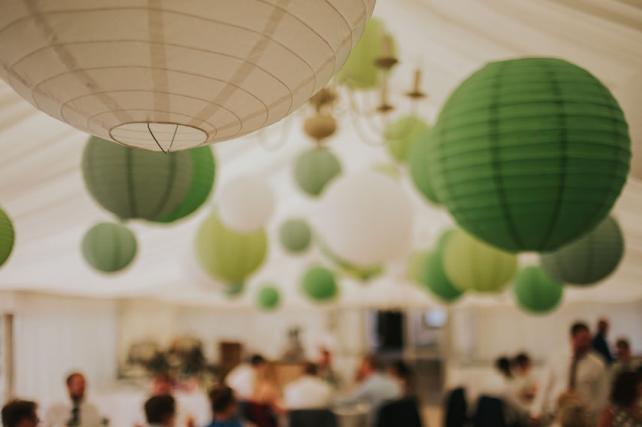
(600, 343)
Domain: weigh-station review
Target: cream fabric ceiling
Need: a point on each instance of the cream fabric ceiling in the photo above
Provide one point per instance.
(42, 190)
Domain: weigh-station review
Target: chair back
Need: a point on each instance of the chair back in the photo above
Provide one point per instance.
(403, 412)
(259, 414)
(312, 418)
(489, 413)
(456, 408)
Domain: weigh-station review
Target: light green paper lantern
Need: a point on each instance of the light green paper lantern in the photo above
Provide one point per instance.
(295, 235)
(360, 72)
(7, 237)
(138, 184)
(314, 169)
(388, 169)
(268, 298)
(473, 265)
(319, 284)
(227, 255)
(433, 276)
(529, 154)
(401, 135)
(536, 292)
(109, 247)
(361, 273)
(418, 159)
(589, 259)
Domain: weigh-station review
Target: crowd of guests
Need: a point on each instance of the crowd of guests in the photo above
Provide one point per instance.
(585, 387)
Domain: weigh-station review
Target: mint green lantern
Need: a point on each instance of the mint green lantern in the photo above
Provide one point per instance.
(109, 247)
(473, 265)
(589, 259)
(7, 237)
(295, 235)
(138, 184)
(314, 169)
(433, 276)
(529, 154)
(227, 255)
(401, 135)
(360, 71)
(268, 298)
(418, 159)
(536, 292)
(319, 284)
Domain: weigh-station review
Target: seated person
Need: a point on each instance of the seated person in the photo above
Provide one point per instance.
(77, 411)
(224, 407)
(20, 413)
(401, 372)
(524, 384)
(309, 391)
(375, 385)
(160, 411)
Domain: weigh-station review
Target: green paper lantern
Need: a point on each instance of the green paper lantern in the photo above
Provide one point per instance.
(401, 135)
(536, 292)
(137, 184)
(418, 160)
(314, 169)
(589, 259)
(268, 298)
(529, 154)
(361, 273)
(295, 235)
(319, 284)
(203, 175)
(227, 255)
(7, 237)
(415, 266)
(360, 71)
(472, 265)
(109, 247)
(433, 276)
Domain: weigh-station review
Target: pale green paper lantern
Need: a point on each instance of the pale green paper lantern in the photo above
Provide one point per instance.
(268, 298)
(401, 135)
(418, 161)
(227, 255)
(295, 235)
(7, 237)
(314, 169)
(535, 291)
(319, 284)
(109, 247)
(473, 265)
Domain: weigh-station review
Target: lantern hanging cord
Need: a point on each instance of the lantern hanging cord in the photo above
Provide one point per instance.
(171, 144)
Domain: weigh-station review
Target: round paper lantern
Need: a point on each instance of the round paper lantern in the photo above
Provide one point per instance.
(318, 283)
(433, 276)
(361, 273)
(360, 71)
(166, 76)
(365, 218)
(137, 184)
(418, 160)
(234, 290)
(7, 237)
(401, 135)
(109, 247)
(472, 265)
(589, 259)
(536, 291)
(314, 169)
(295, 235)
(529, 154)
(268, 298)
(227, 255)
(246, 203)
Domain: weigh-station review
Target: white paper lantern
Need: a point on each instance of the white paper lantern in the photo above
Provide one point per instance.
(246, 203)
(365, 218)
(171, 75)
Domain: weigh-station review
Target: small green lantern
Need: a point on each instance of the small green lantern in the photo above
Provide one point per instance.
(314, 169)
(109, 247)
(319, 284)
(401, 135)
(268, 298)
(295, 235)
(7, 237)
(536, 292)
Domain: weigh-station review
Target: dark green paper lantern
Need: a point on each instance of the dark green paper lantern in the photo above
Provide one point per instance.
(529, 154)
(536, 292)
(138, 184)
(295, 235)
(319, 284)
(589, 259)
(433, 276)
(109, 247)
(418, 160)
(314, 169)
(268, 298)
(401, 135)
(7, 237)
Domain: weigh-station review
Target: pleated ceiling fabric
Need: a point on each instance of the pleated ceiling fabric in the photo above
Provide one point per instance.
(168, 75)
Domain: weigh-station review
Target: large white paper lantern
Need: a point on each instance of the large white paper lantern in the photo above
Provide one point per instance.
(246, 203)
(365, 218)
(171, 75)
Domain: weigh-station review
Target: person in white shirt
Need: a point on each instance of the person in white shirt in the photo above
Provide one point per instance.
(524, 384)
(77, 412)
(242, 379)
(583, 373)
(375, 386)
(309, 391)
(160, 411)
